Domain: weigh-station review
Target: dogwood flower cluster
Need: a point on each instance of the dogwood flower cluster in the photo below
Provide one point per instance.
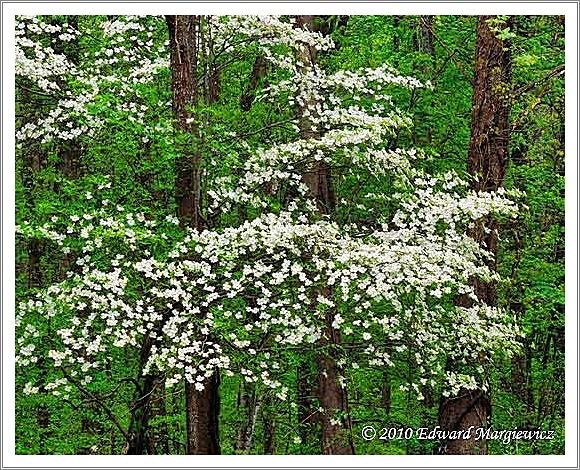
(267, 32)
(241, 299)
(40, 63)
(107, 76)
(346, 120)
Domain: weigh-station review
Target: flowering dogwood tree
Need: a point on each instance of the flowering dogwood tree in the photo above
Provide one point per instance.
(243, 299)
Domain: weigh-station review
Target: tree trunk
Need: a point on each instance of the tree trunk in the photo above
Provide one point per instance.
(469, 408)
(488, 146)
(202, 413)
(249, 403)
(269, 428)
(184, 57)
(487, 155)
(139, 442)
(335, 419)
(423, 37)
(139, 434)
(386, 391)
(32, 166)
(258, 72)
(336, 438)
(202, 407)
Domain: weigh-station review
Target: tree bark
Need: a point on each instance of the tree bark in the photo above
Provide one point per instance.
(488, 146)
(249, 403)
(184, 57)
(202, 415)
(335, 438)
(386, 391)
(269, 427)
(258, 72)
(423, 36)
(459, 413)
(487, 155)
(202, 407)
(140, 442)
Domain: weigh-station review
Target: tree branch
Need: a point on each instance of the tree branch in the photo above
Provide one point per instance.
(530, 86)
(266, 127)
(105, 408)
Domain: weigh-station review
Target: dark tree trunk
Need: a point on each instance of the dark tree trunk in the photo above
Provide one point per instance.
(386, 392)
(336, 438)
(140, 442)
(423, 37)
(202, 413)
(258, 72)
(469, 408)
(487, 155)
(139, 434)
(318, 178)
(306, 371)
(269, 429)
(149, 402)
(488, 146)
(202, 407)
(32, 166)
(34, 255)
(184, 57)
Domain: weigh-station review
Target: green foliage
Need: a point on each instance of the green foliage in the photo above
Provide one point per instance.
(138, 162)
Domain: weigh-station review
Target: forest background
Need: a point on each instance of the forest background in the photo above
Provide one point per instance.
(112, 152)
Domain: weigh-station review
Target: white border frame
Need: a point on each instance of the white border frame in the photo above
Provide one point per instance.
(570, 9)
